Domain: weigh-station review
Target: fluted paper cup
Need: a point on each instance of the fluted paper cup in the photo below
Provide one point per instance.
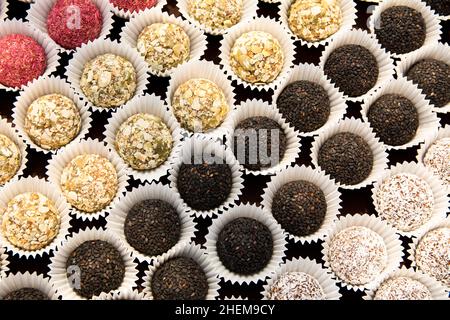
(3, 262)
(127, 14)
(19, 281)
(127, 294)
(3, 9)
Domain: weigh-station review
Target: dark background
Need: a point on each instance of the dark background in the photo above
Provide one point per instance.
(355, 201)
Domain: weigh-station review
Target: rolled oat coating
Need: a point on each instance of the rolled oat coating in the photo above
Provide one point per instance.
(10, 159)
(216, 14)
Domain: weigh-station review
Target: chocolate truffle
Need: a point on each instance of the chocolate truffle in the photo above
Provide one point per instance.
(152, 227)
(315, 20)
(353, 69)
(200, 105)
(30, 221)
(164, 46)
(402, 288)
(144, 141)
(357, 255)
(347, 158)
(433, 77)
(22, 59)
(245, 246)
(216, 15)
(179, 279)
(89, 182)
(441, 7)
(437, 159)
(108, 81)
(99, 267)
(52, 121)
(133, 5)
(10, 159)
(394, 119)
(259, 143)
(401, 29)
(69, 32)
(26, 294)
(296, 286)
(405, 201)
(305, 105)
(257, 57)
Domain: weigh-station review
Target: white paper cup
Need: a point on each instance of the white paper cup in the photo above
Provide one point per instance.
(26, 280)
(3, 9)
(232, 298)
(428, 121)
(260, 215)
(318, 178)
(19, 27)
(148, 104)
(58, 163)
(3, 262)
(439, 195)
(42, 87)
(259, 24)
(50, 191)
(38, 13)
(312, 73)
(188, 251)
(90, 51)
(126, 14)
(362, 38)
(127, 294)
(391, 240)
(116, 220)
(363, 130)
(311, 268)
(255, 108)
(271, 1)
(438, 51)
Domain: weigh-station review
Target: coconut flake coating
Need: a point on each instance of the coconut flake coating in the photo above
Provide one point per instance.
(357, 255)
(22, 59)
(257, 57)
(89, 182)
(144, 141)
(10, 159)
(52, 121)
(164, 46)
(108, 81)
(437, 159)
(134, 5)
(402, 288)
(405, 201)
(30, 221)
(296, 286)
(216, 14)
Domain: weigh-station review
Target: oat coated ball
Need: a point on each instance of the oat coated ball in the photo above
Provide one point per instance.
(10, 159)
(216, 14)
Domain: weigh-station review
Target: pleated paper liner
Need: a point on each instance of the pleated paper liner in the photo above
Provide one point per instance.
(391, 240)
(322, 181)
(38, 13)
(311, 268)
(3, 9)
(440, 197)
(58, 163)
(19, 281)
(126, 294)
(116, 220)
(255, 108)
(363, 130)
(260, 215)
(362, 38)
(90, 51)
(188, 251)
(428, 121)
(58, 271)
(148, 104)
(49, 190)
(40, 88)
(3, 262)
(265, 25)
(233, 297)
(312, 73)
(19, 27)
(126, 14)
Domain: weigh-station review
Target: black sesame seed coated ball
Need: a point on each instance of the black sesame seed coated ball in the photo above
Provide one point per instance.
(26, 294)
(305, 105)
(394, 119)
(353, 69)
(299, 207)
(152, 227)
(245, 246)
(442, 7)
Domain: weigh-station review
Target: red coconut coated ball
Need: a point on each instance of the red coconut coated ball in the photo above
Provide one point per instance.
(22, 59)
(134, 5)
(70, 23)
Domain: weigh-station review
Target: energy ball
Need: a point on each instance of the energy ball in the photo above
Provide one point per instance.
(437, 158)
(89, 182)
(10, 159)
(22, 59)
(257, 57)
(108, 81)
(144, 141)
(402, 288)
(52, 121)
(442, 7)
(164, 46)
(200, 105)
(25, 294)
(30, 221)
(134, 5)
(315, 20)
(296, 286)
(216, 14)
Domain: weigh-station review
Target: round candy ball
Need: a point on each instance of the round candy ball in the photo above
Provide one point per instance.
(10, 159)
(218, 14)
